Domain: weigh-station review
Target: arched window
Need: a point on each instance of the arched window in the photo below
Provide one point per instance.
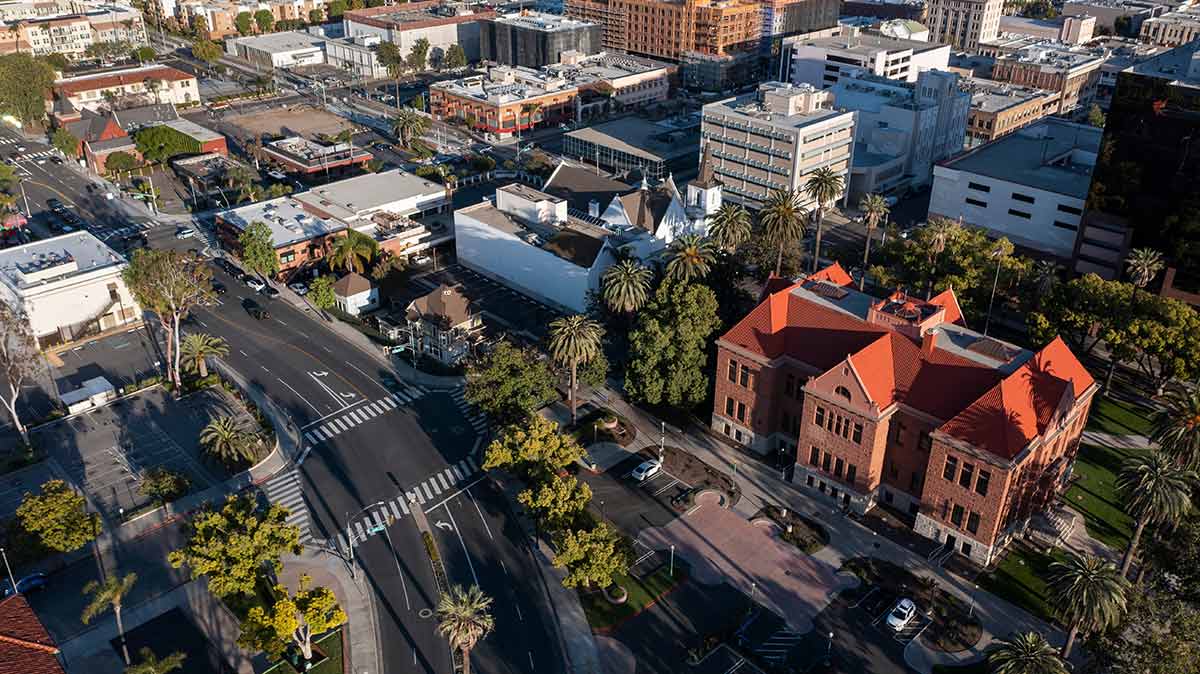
(843, 392)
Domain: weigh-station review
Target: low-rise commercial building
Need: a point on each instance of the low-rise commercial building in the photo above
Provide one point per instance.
(69, 287)
(145, 84)
(653, 149)
(301, 155)
(907, 408)
(1071, 72)
(73, 32)
(1123, 53)
(1172, 29)
(774, 139)
(442, 24)
(220, 16)
(823, 62)
(506, 100)
(1072, 30)
(1029, 186)
(278, 50)
(1123, 17)
(534, 39)
(998, 108)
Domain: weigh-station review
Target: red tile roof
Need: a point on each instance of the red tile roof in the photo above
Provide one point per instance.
(107, 81)
(834, 274)
(949, 301)
(25, 646)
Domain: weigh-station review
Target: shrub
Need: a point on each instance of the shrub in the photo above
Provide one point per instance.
(430, 546)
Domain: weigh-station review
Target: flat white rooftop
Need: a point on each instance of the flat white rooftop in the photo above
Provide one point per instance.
(286, 217)
(55, 259)
(347, 199)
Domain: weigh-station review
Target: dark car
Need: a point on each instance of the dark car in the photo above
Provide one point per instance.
(56, 159)
(219, 288)
(71, 218)
(270, 292)
(54, 204)
(254, 309)
(227, 266)
(31, 583)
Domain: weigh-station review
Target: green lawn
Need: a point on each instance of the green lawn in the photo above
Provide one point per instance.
(1094, 494)
(330, 645)
(603, 614)
(1119, 417)
(1020, 578)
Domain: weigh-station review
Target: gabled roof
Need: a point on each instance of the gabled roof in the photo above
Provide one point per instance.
(833, 274)
(446, 305)
(351, 284)
(25, 646)
(580, 185)
(645, 208)
(949, 301)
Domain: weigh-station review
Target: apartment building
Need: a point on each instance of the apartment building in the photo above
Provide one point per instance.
(998, 108)
(148, 84)
(633, 81)
(442, 24)
(824, 61)
(774, 139)
(1071, 72)
(1173, 28)
(1123, 17)
(963, 24)
(533, 39)
(72, 34)
(784, 18)
(895, 402)
(220, 16)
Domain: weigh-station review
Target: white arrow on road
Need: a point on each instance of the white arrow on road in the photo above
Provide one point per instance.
(444, 525)
(321, 373)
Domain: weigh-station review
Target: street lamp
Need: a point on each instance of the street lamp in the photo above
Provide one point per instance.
(971, 613)
(998, 253)
(14, 580)
(829, 647)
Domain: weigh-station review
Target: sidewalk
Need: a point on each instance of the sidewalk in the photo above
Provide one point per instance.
(1118, 441)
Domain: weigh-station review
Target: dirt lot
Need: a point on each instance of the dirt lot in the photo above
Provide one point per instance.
(295, 121)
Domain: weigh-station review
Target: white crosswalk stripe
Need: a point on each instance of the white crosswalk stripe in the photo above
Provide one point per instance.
(400, 506)
(286, 490)
(476, 418)
(363, 413)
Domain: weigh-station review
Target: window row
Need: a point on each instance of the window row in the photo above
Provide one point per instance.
(966, 475)
(838, 424)
(957, 514)
(832, 464)
(739, 374)
(736, 409)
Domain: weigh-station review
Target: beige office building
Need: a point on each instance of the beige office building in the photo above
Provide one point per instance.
(963, 24)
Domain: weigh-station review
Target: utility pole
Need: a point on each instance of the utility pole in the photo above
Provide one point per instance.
(9, 570)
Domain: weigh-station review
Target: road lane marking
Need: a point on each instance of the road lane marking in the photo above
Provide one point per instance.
(519, 616)
(442, 480)
(481, 519)
(464, 547)
(314, 407)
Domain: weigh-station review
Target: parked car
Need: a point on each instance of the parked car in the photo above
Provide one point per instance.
(270, 292)
(31, 583)
(298, 288)
(228, 267)
(57, 159)
(185, 233)
(421, 259)
(219, 288)
(902, 614)
(255, 283)
(646, 470)
(277, 175)
(54, 204)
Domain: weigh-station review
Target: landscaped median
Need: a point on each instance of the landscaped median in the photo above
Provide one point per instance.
(605, 611)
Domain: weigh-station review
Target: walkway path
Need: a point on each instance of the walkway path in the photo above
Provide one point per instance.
(1130, 441)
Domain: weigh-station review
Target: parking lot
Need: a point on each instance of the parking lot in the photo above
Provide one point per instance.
(632, 505)
(512, 311)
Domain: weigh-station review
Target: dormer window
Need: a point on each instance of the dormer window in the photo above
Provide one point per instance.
(843, 392)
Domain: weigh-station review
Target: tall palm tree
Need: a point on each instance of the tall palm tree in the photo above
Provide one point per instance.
(824, 186)
(352, 252)
(730, 227)
(1142, 265)
(408, 125)
(574, 340)
(105, 595)
(938, 234)
(150, 664)
(529, 110)
(1177, 426)
(691, 258)
(1157, 491)
(875, 211)
(228, 440)
(1045, 277)
(199, 346)
(464, 619)
(1088, 593)
(1027, 653)
(782, 217)
(626, 286)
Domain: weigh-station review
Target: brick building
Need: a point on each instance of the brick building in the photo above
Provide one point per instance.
(896, 402)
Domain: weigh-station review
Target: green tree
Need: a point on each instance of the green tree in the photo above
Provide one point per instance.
(292, 620)
(151, 664)
(594, 373)
(418, 103)
(244, 22)
(464, 618)
(1162, 338)
(409, 125)
(592, 557)
(782, 219)
(24, 87)
(938, 234)
(730, 227)
(418, 56)
(119, 162)
(574, 340)
(390, 57)
(320, 292)
(353, 252)
(824, 186)
(55, 60)
(690, 258)
(265, 20)
(1156, 491)
(1075, 309)
(1142, 265)
(206, 50)
(198, 347)
(199, 28)
(535, 450)
(65, 142)
(669, 346)
(258, 249)
(316, 15)
(58, 516)
(1160, 635)
(144, 54)
(227, 440)
(875, 212)
(1096, 116)
(1088, 593)
(557, 500)
(109, 594)
(509, 383)
(159, 143)
(456, 57)
(1026, 653)
(170, 284)
(336, 8)
(19, 360)
(626, 286)
(163, 485)
(236, 545)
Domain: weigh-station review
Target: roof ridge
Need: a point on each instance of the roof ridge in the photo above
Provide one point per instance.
(45, 648)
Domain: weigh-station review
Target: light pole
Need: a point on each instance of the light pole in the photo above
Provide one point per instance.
(672, 568)
(662, 442)
(14, 580)
(829, 647)
(971, 613)
(997, 253)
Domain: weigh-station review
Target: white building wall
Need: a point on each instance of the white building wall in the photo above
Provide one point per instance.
(75, 300)
(440, 38)
(1048, 229)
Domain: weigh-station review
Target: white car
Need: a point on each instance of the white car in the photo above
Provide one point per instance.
(185, 233)
(256, 284)
(902, 614)
(299, 288)
(422, 259)
(646, 470)
(277, 175)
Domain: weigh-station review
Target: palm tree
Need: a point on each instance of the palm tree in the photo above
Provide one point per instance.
(1177, 425)
(227, 439)
(463, 618)
(730, 227)
(408, 125)
(105, 595)
(528, 110)
(824, 186)
(782, 217)
(875, 211)
(1142, 265)
(574, 340)
(150, 664)
(1045, 277)
(1027, 653)
(352, 252)
(691, 257)
(1157, 491)
(199, 346)
(1088, 593)
(626, 286)
(938, 234)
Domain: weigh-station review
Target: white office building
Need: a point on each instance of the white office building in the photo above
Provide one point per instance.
(1029, 185)
(823, 61)
(70, 286)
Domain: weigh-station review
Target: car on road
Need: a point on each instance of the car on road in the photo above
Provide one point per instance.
(902, 614)
(255, 283)
(228, 267)
(646, 470)
(31, 583)
(255, 309)
(298, 288)
(71, 218)
(421, 259)
(219, 288)
(55, 205)
(270, 292)
(21, 148)
(57, 159)
(185, 233)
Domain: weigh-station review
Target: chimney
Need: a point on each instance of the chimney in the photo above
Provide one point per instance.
(594, 208)
(929, 341)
